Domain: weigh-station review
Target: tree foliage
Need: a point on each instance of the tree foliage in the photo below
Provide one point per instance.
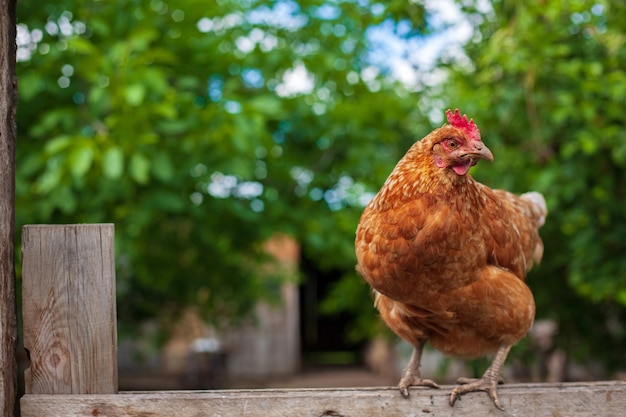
(202, 129)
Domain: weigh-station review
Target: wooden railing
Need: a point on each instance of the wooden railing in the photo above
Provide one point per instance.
(596, 399)
(70, 334)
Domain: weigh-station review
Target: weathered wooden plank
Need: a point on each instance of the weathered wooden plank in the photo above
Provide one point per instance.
(68, 287)
(8, 101)
(606, 399)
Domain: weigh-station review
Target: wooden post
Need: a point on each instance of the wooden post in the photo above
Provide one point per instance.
(8, 101)
(68, 288)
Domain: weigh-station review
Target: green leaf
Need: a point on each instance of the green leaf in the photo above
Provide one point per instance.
(141, 38)
(83, 46)
(58, 144)
(80, 160)
(267, 105)
(139, 168)
(50, 178)
(30, 85)
(113, 163)
(172, 127)
(135, 94)
(165, 201)
(162, 166)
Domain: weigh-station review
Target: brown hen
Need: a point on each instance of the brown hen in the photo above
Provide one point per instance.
(447, 256)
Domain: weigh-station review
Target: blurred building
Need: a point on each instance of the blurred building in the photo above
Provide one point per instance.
(198, 357)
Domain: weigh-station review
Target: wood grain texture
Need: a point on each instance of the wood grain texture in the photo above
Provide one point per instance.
(8, 101)
(606, 399)
(68, 288)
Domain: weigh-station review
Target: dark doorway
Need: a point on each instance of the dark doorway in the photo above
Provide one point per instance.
(323, 337)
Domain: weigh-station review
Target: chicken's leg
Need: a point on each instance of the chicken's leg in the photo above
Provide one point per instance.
(411, 374)
(489, 381)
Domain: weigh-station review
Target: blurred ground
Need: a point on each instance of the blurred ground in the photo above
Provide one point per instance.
(313, 377)
(323, 377)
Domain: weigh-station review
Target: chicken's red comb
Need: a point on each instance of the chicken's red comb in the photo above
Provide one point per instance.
(468, 126)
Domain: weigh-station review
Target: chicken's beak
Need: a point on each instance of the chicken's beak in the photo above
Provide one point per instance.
(478, 150)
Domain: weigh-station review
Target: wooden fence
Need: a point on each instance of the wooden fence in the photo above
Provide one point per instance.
(8, 102)
(70, 334)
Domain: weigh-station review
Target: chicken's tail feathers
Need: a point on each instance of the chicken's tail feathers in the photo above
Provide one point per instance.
(538, 207)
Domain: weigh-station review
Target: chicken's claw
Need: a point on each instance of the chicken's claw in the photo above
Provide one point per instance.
(411, 374)
(412, 381)
(486, 383)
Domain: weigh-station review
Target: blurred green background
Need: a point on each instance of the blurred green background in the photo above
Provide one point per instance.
(201, 129)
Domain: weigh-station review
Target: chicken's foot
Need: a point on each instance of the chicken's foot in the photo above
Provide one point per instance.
(488, 382)
(411, 374)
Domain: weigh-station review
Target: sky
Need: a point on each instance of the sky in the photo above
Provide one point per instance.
(410, 61)
(407, 58)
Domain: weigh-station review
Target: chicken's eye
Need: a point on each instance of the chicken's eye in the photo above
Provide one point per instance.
(452, 144)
